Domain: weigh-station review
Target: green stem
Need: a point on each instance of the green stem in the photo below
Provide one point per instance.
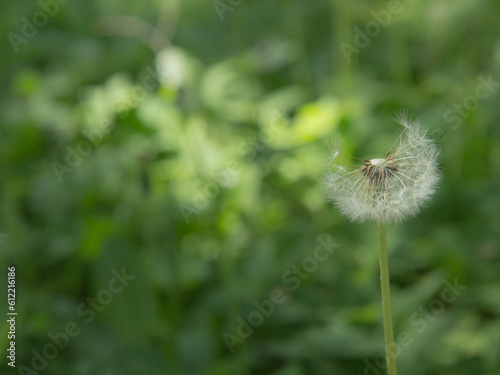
(386, 301)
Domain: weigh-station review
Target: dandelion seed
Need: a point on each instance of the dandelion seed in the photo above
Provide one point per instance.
(388, 189)
(392, 188)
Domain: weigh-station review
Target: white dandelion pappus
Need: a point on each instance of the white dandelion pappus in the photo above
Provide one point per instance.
(392, 188)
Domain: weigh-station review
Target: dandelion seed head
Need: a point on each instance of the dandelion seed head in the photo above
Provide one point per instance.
(389, 189)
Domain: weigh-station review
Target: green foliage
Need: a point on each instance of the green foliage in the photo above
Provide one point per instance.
(195, 160)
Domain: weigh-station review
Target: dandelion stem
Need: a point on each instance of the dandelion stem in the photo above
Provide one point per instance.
(386, 301)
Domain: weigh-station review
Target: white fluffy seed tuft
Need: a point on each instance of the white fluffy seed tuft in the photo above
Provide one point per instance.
(389, 189)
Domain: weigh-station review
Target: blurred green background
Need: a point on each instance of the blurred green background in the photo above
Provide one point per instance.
(187, 140)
